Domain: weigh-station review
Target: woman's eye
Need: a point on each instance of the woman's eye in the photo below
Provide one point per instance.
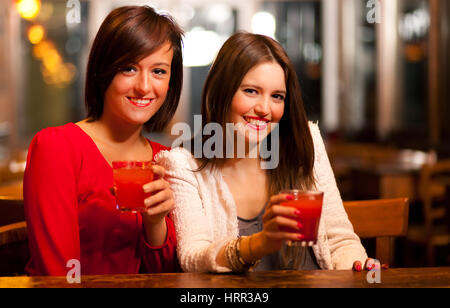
(278, 97)
(250, 91)
(159, 71)
(129, 69)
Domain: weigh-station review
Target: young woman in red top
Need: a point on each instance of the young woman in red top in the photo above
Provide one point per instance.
(134, 79)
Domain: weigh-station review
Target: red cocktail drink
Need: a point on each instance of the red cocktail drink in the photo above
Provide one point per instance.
(129, 177)
(309, 203)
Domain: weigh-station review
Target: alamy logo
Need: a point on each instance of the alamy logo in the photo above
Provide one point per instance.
(234, 136)
(374, 274)
(74, 13)
(74, 273)
(374, 14)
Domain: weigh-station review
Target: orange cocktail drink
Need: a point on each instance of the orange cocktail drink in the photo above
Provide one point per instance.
(129, 178)
(309, 203)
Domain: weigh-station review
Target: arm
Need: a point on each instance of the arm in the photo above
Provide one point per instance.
(271, 238)
(163, 258)
(158, 243)
(345, 246)
(197, 248)
(51, 207)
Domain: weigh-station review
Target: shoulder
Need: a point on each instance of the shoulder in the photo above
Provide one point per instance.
(180, 166)
(56, 138)
(319, 145)
(176, 158)
(316, 136)
(315, 131)
(59, 147)
(157, 147)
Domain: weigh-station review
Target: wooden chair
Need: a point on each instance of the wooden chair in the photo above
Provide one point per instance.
(434, 192)
(11, 210)
(13, 237)
(14, 252)
(382, 219)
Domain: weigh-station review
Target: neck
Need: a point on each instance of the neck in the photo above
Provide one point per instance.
(118, 134)
(243, 149)
(243, 164)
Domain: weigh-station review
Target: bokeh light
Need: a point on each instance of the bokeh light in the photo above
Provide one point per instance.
(264, 23)
(36, 33)
(195, 52)
(28, 9)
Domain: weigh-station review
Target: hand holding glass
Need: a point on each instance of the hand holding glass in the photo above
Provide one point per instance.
(309, 203)
(129, 178)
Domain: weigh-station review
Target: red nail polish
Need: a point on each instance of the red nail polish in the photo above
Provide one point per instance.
(299, 225)
(301, 236)
(358, 267)
(290, 197)
(297, 212)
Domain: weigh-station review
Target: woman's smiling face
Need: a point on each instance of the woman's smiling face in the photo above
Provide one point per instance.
(137, 92)
(259, 101)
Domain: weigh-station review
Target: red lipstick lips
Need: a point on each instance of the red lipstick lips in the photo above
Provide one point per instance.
(140, 102)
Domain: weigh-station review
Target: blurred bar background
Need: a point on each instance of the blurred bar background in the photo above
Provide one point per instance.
(374, 73)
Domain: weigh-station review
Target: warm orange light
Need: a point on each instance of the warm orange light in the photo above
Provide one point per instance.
(28, 9)
(41, 48)
(35, 34)
(67, 72)
(61, 77)
(414, 53)
(52, 60)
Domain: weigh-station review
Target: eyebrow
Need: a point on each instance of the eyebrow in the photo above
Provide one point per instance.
(161, 63)
(259, 88)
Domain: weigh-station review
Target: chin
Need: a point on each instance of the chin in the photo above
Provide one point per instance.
(257, 138)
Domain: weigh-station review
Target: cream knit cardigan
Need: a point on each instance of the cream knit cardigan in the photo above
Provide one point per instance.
(205, 214)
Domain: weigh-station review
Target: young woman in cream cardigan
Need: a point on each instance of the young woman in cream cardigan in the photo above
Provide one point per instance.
(227, 212)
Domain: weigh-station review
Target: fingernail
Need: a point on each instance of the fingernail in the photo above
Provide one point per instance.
(299, 225)
(385, 266)
(358, 267)
(300, 236)
(290, 197)
(297, 212)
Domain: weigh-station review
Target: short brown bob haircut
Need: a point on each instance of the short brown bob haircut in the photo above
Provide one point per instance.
(127, 35)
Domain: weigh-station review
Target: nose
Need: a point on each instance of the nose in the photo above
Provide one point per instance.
(262, 107)
(143, 84)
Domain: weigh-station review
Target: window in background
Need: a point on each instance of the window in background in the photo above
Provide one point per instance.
(414, 48)
(208, 27)
(357, 73)
(297, 26)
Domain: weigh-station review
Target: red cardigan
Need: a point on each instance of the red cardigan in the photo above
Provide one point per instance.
(71, 213)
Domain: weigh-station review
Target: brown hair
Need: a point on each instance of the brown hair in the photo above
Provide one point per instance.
(127, 35)
(238, 55)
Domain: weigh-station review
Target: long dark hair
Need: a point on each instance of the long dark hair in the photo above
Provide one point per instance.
(127, 35)
(241, 52)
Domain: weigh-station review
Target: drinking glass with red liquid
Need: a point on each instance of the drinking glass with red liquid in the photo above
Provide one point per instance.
(129, 178)
(309, 203)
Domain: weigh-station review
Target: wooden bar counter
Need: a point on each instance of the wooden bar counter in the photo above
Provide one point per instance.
(390, 278)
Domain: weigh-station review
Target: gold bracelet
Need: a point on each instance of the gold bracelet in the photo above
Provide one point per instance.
(248, 265)
(231, 252)
(234, 258)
